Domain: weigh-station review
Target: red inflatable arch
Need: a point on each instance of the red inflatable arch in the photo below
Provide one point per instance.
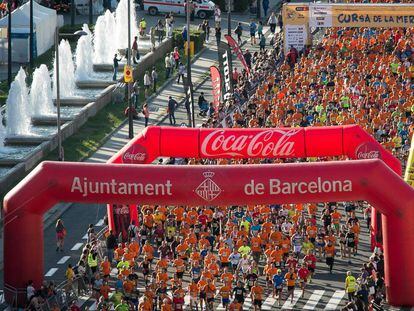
(349, 140)
(53, 182)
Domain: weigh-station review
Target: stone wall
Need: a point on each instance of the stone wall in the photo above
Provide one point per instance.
(149, 59)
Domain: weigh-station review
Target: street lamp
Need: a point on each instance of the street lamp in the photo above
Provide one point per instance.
(189, 81)
(130, 116)
(59, 136)
(31, 38)
(9, 44)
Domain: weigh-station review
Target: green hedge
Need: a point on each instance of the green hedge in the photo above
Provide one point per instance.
(242, 5)
(195, 35)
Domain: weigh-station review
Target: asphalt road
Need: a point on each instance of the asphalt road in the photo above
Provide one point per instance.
(326, 290)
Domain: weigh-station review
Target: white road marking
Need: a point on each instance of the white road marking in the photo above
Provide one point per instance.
(268, 303)
(51, 272)
(314, 299)
(81, 301)
(288, 304)
(247, 303)
(186, 300)
(85, 237)
(63, 260)
(93, 307)
(76, 246)
(335, 300)
(100, 223)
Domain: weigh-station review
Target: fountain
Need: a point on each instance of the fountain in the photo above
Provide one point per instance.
(83, 56)
(103, 39)
(121, 18)
(18, 114)
(67, 78)
(41, 93)
(18, 108)
(41, 98)
(66, 71)
(84, 64)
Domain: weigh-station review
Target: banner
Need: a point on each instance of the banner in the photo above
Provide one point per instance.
(361, 15)
(296, 36)
(320, 15)
(216, 84)
(200, 185)
(236, 49)
(227, 72)
(295, 14)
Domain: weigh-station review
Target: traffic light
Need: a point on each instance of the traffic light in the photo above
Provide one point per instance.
(128, 74)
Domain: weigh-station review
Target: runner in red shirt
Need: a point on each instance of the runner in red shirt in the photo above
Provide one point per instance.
(303, 274)
(310, 260)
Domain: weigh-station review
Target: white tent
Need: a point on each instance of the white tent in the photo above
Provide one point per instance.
(44, 20)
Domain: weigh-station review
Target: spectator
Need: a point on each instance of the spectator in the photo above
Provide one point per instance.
(172, 105)
(60, 235)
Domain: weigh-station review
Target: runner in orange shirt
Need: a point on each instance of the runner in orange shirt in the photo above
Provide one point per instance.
(224, 254)
(193, 290)
(290, 279)
(256, 294)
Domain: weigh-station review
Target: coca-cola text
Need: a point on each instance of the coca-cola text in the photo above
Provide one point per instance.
(270, 143)
(368, 151)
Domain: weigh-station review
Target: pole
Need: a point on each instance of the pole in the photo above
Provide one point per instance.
(90, 13)
(72, 12)
(229, 19)
(31, 39)
(229, 55)
(9, 45)
(190, 83)
(59, 137)
(130, 116)
(258, 10)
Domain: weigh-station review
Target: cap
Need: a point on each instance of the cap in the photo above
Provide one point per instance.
(279, 271)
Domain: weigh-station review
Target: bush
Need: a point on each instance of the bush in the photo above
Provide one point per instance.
(195, 35)
(242, 5)
(221, 4)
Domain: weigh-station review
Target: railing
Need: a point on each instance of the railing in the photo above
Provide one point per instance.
(64, 295)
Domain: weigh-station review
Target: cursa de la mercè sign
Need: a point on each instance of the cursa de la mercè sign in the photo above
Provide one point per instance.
(278, 186)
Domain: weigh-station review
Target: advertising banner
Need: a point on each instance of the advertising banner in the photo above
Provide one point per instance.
(296, 36)
(235, 48)
(216, 84)
(295, 14)
(227, 71)
(361, 15)
(320, 15)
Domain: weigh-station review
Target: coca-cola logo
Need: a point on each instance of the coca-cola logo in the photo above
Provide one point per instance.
(136, 154)
(264, 144)
(368, 150)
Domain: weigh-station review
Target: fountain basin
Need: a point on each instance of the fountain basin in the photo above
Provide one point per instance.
(50, 120)
(94, 84)
(74, 101)
(25, 140)
(8, 163)
(107, 67)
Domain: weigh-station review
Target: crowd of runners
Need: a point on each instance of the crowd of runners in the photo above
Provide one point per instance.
(220, 255)
(352, 76)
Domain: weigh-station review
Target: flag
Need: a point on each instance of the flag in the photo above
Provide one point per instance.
(236, 50)
(216, 83)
